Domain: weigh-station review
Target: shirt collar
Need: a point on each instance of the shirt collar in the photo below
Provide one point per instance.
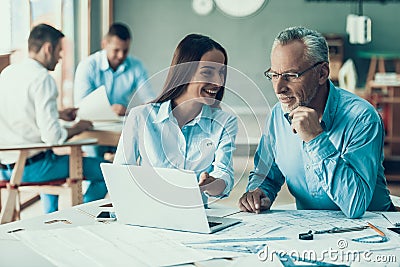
(164, 112)
(35, 62)
(105, 65)
(202, 119)
(330, 107)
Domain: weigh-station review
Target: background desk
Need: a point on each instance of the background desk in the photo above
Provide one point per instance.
(378, 60)
(107, 134)
(4, 60)
(250, 128)
(386, 98)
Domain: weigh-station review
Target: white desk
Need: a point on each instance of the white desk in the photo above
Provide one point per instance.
(84, 242)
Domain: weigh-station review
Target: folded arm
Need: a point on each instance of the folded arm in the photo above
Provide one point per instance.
(349, 177)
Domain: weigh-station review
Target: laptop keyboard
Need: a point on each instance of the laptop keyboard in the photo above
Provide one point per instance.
(212, 224)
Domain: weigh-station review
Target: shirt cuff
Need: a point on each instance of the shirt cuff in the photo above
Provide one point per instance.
(228, 183)
(63, 137)
(258, 183)
(320, 148)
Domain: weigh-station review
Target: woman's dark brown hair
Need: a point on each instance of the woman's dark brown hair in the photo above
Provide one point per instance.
(189, 50)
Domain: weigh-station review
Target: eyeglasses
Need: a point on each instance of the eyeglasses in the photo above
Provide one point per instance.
(288, 76)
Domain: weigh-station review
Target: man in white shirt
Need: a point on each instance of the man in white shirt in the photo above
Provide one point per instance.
(28, 114)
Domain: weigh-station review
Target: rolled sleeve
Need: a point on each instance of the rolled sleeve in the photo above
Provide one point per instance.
(229, 181)
(47, 114)
(223, 163)
(266, 174)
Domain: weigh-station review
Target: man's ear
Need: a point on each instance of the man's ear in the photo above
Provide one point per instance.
(47, 48)
(324, 73)
(45, 51)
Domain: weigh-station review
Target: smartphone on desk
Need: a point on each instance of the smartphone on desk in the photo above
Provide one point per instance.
(106, 216)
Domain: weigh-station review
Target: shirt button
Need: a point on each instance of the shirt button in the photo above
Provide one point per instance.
(307, 167)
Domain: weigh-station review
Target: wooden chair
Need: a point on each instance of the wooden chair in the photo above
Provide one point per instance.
(71, 186)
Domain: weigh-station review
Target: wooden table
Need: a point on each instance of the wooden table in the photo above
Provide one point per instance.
(4, 60)
(107, 134)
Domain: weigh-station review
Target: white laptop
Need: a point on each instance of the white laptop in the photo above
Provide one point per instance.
(160, 198)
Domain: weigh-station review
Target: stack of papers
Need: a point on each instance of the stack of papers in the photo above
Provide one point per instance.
(389, 78)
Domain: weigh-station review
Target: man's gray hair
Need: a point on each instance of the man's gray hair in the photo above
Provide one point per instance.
(315, 42)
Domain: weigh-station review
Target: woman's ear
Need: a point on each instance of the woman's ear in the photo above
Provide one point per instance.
(324, 73)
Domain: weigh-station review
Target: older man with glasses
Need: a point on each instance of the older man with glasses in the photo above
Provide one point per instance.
(326, 143)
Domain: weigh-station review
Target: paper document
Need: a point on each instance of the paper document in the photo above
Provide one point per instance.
(101, 245)
(395, 200)
(218, 210)
(96, 107)
(392, 217)
(26, 256)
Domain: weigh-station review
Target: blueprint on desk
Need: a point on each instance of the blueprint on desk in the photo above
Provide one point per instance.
(258, 225)
(293, 222)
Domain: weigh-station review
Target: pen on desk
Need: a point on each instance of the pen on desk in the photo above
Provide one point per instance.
(236, 240)
(233, 213)
(376, 229)
(273, 229)
(15, 230)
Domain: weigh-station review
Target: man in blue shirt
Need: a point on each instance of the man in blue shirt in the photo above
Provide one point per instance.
(324, 141)
(123, 76)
